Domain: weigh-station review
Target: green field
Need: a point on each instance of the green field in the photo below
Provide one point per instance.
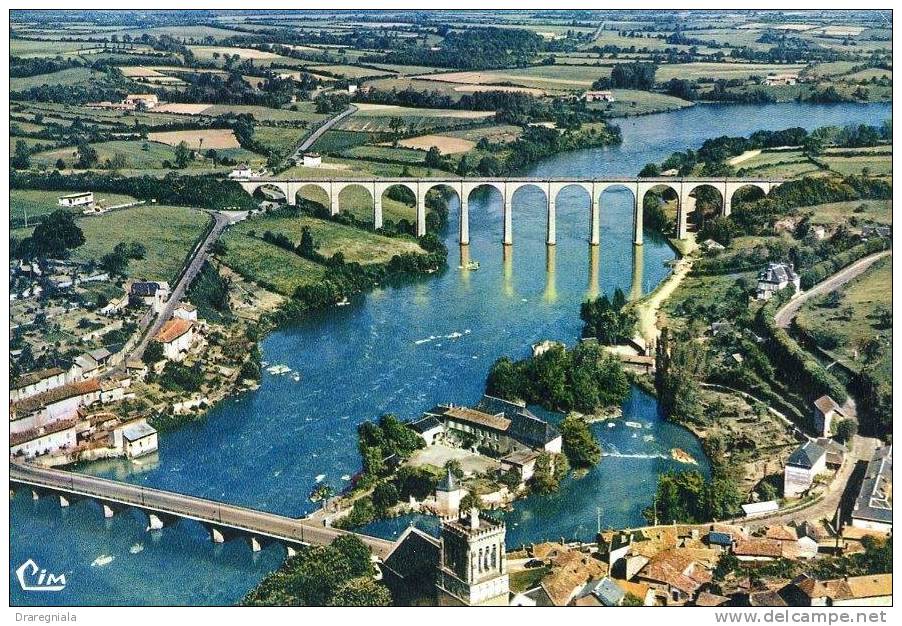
(348, 71)
(71, 76)
(694, 71)
(38, 202)
(167, 232)
(280, 140)
(878, 165)
(387, 153)
(633, 102)
(139, 155)
(843, 329)
(305, 113)
(268, 265)
(880, 211)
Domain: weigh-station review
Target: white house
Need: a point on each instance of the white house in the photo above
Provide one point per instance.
(825, 409)
(85, 198)
(781, 79)
(44, 440)
(55, 405)
(241, 171)
(803, 465)
(873, 508)
(34, 383)
(176, 337)
(775, 277)
(151, 293)
(185, 311)
(313, 159)
(604, 96)
(146, 100)
(429, 428)
(139, 439)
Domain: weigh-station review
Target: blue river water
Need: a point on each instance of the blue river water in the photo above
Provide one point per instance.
(402, 349)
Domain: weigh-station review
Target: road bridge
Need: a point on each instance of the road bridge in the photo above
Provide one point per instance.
(508, 187)
(223, 521)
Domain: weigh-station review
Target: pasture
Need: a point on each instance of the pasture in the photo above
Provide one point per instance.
(216, 138)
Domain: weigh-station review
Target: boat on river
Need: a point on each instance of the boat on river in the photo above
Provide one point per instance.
(470, 265)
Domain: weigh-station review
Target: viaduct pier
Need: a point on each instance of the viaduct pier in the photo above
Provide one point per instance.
(508, 187)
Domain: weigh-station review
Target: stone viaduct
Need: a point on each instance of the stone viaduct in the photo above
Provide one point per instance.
(507, 187)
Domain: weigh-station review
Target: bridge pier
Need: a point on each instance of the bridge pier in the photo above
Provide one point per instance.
(637, 221)
(421, 215)
(552, 223)
(594, 222)
(333, 204)
(377, 213)
(464, 220)
(290, 552)
(508, 234)
(158, 521)
(64, 501)
(256, 543)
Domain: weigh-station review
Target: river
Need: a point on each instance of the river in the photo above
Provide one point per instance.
(402, 349)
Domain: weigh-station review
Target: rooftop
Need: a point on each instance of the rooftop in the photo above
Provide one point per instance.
(133, 432)
(806, 456)
(464, 414)
(825, 404)
(759, 548)
(36, 377)
(875, 500)
(58, 394)
(173, 329)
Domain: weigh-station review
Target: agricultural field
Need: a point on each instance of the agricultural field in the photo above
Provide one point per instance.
(874, 165)
(216, 138)
(209, 53)
(879, 211)
(352, 72)
(777, 164)
(378, 118)
(695, 71)
(445, 145)
(629, 102)
(70, 76)
(548, 77)
(386, 153)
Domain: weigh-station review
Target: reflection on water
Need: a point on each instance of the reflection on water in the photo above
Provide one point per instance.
(592, 291)
(507, 262)
(636, 290)
(550, 294)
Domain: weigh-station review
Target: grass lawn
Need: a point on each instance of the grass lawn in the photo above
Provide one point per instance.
(878, 165)
(635, 102)
(38, 202)
(167, 232)
(843, 335)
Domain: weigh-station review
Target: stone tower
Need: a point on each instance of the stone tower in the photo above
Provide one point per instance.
(473, 566)
(448, 495)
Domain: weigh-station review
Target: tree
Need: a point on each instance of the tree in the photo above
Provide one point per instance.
(385, 496)
(53, 238)
(362, 591)
(182, 155)
(396, 126)
(845, 429)
(307, 247)
(434, 158)
(550, 468)
(87, 156)
(579, 442)
(22, 158)
(153, 353)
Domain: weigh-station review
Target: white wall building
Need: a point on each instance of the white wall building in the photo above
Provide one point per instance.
(176, 337)
(803, 465)
(85, 198)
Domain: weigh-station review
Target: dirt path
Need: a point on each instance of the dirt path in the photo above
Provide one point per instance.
(647, 309)
(786, 314)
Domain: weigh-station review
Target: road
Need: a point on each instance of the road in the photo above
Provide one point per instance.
(309, 141)
(223, 516)
(178, 291)
(786, 314)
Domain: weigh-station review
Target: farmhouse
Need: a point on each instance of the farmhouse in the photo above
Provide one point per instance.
(141, 100)
(241, 171)
(874, 505)
(781, 79)
(185, 311)
(775, 277)
(85, 198)
(176, 337)
(603, 96)
(803, 465)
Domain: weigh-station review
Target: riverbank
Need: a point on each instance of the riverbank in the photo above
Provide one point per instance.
(647, 330)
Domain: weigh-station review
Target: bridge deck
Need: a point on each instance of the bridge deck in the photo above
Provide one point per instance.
(500, 179)
(245, 520)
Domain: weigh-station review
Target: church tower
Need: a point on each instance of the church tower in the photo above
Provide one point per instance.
(473, 567)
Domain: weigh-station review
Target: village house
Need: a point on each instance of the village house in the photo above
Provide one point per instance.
(42, 440)
(873, 508)
(37, 382)
(241, 171)
(776, 277)
(139, 439)
(312, 159)
(177, 335)
(571, 571)
(521, 461)
(603, 96)
(676, 576)
(781, 79)
(429, 428)
(825, 411)
(806, 462)
(836, 452)
(758, 549)
(84, 198)
(55, 405)
(604, 592)
(185, 311)
(115, 305)
(869, 590)
(149, 293)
